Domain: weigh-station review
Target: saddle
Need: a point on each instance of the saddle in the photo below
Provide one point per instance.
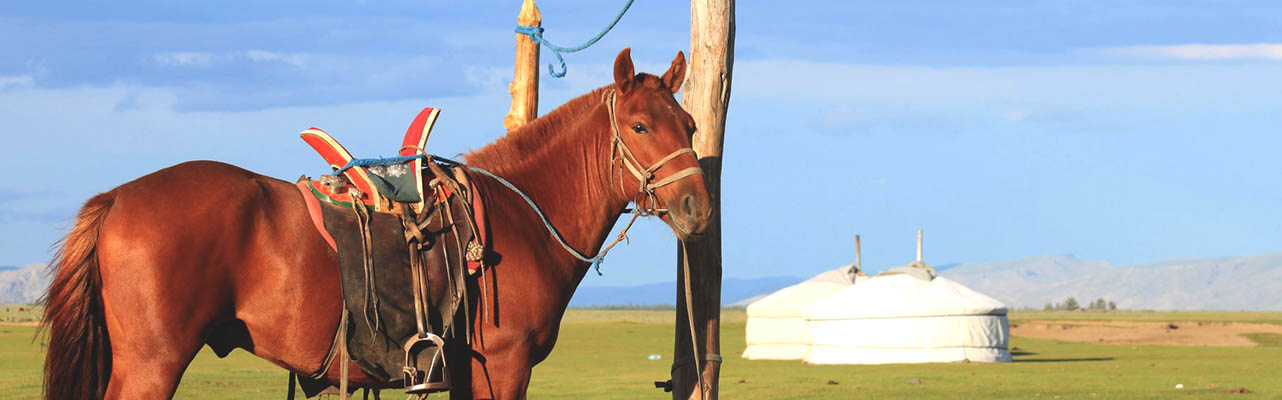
(408, 232)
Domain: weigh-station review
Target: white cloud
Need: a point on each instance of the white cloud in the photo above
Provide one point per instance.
(1207, 52)
(206, 60)
(909, 87)
(1015, 115)
(488, 77)
(295, 60)
(15, 81)
(184, 59)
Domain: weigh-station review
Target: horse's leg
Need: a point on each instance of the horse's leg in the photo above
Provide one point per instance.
(503, 370)
(290, 298)
(500, 377)
(176, 264)
(157, 305)
(513, 383)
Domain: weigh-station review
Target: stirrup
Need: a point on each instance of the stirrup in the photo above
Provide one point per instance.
(436, 377)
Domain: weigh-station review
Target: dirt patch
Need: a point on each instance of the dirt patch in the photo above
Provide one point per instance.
(1158, 333)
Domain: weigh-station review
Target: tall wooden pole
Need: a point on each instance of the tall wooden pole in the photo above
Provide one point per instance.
(525, 80)
(706, 96)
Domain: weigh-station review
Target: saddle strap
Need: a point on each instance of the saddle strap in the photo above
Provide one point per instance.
(344, 360)
(363, 220)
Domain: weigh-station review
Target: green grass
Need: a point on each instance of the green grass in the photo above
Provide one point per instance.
(1265, 339)
(602, 354)
(1255, 317)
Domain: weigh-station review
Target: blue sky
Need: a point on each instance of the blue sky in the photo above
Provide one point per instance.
(1125, 131)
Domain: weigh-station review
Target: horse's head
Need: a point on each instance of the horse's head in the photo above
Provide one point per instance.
(651, 148)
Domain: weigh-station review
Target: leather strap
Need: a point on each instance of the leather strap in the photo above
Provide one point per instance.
(694, 339)
(343, 359)
(621, 152)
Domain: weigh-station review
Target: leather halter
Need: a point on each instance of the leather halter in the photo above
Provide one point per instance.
(619, 151)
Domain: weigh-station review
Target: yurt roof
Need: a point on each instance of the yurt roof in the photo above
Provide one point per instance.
(844, 276)
(787, 302)
(903, 295)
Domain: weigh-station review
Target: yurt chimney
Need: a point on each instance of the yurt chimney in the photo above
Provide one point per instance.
(858, 267)
(919, 245)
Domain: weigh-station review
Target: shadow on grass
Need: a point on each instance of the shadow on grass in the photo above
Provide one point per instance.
(1022, 353)
(1042, 360)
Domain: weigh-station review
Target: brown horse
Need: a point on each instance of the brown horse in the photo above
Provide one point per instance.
(208, 253)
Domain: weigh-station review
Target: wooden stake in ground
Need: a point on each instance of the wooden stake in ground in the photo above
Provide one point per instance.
(706, 96)
(525, 81)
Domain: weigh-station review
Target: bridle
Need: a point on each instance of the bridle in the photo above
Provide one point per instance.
(645, 199)
(619, 151)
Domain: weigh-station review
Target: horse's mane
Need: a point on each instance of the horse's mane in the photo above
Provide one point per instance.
(521, 146)
(524, 144)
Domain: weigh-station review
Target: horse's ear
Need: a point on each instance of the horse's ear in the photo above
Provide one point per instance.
(623, 70)
(676, 74)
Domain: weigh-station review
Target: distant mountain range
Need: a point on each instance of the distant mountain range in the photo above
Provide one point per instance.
(28, 283)
(1220, 283)
(22, 285)
(732, 290)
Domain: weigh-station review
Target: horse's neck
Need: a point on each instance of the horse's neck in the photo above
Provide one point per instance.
(570, 180)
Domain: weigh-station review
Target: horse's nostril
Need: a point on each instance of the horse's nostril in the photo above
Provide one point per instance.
(687, 205)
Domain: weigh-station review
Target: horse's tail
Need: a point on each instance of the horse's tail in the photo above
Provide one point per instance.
(78, 362)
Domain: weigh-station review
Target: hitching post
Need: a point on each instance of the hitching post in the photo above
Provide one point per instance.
(525, 80)
(706, 96)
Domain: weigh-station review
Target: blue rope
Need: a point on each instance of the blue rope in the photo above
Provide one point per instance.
(365, 162)
(596, 261)
(536, 34)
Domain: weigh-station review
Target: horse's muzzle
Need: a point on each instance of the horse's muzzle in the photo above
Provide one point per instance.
(691, 215)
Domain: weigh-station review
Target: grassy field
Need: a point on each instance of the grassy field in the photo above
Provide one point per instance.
(11, 313)
(603, 354)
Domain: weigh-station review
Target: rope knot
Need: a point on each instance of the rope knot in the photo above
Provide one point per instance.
(536, 34)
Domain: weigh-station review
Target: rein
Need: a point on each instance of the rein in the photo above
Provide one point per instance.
(619, 151)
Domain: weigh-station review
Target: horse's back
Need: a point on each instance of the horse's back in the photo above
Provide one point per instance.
(203, 244)
(190, 180)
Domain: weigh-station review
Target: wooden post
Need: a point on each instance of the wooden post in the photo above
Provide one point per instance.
(706, 96)
(525, 79)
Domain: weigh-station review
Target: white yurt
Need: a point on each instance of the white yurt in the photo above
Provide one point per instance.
(776, 328)
(906, 315)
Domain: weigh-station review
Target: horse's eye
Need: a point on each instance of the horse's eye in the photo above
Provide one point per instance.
(639, 129)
